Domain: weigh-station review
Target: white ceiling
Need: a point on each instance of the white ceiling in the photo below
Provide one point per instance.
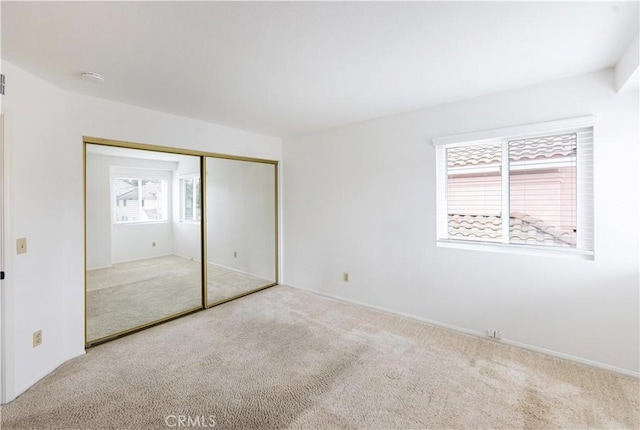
(288, 68)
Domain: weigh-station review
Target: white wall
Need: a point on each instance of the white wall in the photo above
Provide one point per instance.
(130, 242)
(241, 216)
(98, 228)
(361, 199)
(109, 243)
(44, 129)
(44, 287)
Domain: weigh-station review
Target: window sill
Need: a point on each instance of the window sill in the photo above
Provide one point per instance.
(576, 254)
(140, 222)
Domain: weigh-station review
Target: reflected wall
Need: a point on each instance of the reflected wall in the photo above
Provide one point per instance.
(241, 227)
(162, 242)
(143, 238)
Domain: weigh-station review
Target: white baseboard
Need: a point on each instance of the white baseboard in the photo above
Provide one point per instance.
(142, 258)
(231, 269)
(197, 260)
(99, 267)
(21, 390)
(482, 335)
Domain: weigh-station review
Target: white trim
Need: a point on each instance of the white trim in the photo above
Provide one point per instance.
(196, 191)
(189, 175)
(510, 248)
(89, 269)
(3, 240)
(46, 373)
(505, 193)
(441, 192)
(149, 258)
(583, 129)
(7, 385)
(482, 335)
(123, 223)
(231, 269)
(520, 131)
(141, 258)
(570, 357)
(197, 260)
(585, 176)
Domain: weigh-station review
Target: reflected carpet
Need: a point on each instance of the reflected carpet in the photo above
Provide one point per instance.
(131, 294)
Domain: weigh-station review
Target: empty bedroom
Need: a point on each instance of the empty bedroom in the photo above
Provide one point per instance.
(320, 215)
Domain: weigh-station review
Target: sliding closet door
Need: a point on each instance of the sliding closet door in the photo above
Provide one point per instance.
(241, 227)
(143, 238)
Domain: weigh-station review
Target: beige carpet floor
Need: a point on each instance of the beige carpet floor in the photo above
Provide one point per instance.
(131, 294)
(284, 358)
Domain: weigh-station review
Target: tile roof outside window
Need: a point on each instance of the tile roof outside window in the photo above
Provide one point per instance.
(542, 191)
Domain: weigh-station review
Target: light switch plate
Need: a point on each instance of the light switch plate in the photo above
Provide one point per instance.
(21, 245)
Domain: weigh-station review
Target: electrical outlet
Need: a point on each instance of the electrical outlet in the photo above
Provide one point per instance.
(37, 338)
(153, 244)
(235, 254)
(494, 334)
(345, 276)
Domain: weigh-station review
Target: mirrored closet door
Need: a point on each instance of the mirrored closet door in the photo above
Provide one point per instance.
(162, 242)
(143, 238)
(241, 227)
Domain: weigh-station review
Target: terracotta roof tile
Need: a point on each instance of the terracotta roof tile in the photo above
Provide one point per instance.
(474, 155)
(562, 145)
(523, 229)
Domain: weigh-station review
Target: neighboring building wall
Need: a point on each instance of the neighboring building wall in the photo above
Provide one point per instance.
(556, 188)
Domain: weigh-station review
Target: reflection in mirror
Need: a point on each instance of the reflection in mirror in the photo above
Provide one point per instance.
(241, 229)
(143, 238)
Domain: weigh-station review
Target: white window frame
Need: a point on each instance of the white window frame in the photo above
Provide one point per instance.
(117, 172)
(182, 182)
(582, 126)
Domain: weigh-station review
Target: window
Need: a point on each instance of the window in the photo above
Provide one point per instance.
(140, 200)
(540, 175)
(190, 198)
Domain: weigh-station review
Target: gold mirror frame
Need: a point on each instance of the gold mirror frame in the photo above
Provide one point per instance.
(86, 140)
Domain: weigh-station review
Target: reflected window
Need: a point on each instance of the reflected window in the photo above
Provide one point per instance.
(190, 198)
(140, 200)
